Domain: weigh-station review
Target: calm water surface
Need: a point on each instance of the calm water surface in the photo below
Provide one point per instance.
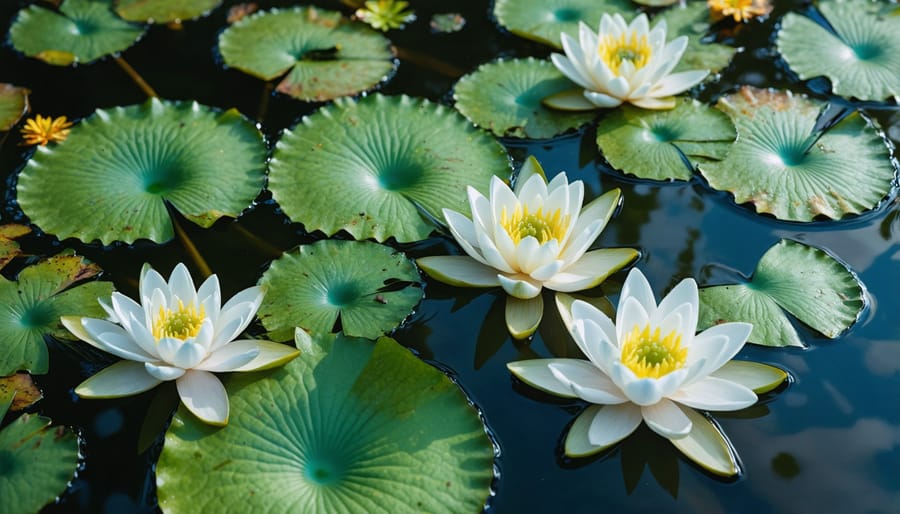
(828, 442)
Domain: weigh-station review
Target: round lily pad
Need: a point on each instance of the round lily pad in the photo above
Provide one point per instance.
(692, 20)
(321, 54)
(37, 461)
(164, 11)
(664, 145)
(505, 98)
(783, 167)
(31, 306)
(369, 287)
(861, 57)
(82, 31)
(13, 105)
(381, 167)
(112, 177)
(803, 280)
(544, 20)
(349, 426)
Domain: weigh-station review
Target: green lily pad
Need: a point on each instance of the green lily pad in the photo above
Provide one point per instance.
(803, 280)
(780, 166)
(119, 167)
(663, 145)
(31, 306)
(544, 20)
(81, 32)
(349, 426)
(505, 98)
(37, 461)
(381, 167)
(13, 105)
(370, 287)
(692, 21)
(321, 54)
(655, 3)
(164, 11)
(860, 58)
(9, 248)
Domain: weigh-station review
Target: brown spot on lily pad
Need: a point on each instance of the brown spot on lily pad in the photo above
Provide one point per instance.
(21, 387)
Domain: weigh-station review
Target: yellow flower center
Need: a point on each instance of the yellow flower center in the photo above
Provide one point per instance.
(740, 10)
(613, 51)
(539, 225)
(41, 130)
(181, 323)
(650, 356)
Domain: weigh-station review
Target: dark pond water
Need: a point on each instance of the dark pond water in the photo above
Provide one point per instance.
(829, 442)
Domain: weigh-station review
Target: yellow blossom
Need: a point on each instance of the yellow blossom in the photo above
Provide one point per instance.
(740, 10)
(385, 14)
(41, 130)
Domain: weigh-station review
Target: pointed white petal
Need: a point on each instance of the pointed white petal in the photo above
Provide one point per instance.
(248, 299)
(230, 357)
(614, 423)
(463, 231)
(716, 394)
(163, 372)
(602, 100)
(588, 382)
(573, 72)
(594, 343)
(125, 308)
(519, 286)
(591, 269)
(108, 337)
(678, 82)
(759, 377)
(123, 378)
(719, 344)
(706, 446)
(459, 270)
(547, 271)
(570, 100)
(210, 297)
(271, 355)
(618, 87)
(181, 285)
(536, 373)
(684, 293)
(150, 282)
(203, 394)
(666, 419)
(599, 209)
(649, 102)
(523, 316)
(637, 287)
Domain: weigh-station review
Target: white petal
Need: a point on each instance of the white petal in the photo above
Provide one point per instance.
(519, 286)
(536, 373)
(595, 345)
(110, 311)
(646, 391)
(523, 316)
(163, 372)
(108, 337)
(684, 293)
(210, 297)
(230, 357)
(586, 229)
(713, 393)
(588, 382)
(492, 255)
(573, 72)
(591, 269)
(631, 315)
(143, 337)
(463, 231)
(189, 355)
(570, 100)
(759, 377)
(547, 271)
(203, 394)
(718, 344)
(678, 82)
(125, 308)
(123, 378)
(649, 102)
(585, 311)
(238, 303)
(671, 54)
(666, 419)
(636, 286)
(150, 282)
(618, 87)
(602, 100)
(614, 423)
(530, 254)
(706, 446)
(270, 355)
(459, 270)
(181, 285)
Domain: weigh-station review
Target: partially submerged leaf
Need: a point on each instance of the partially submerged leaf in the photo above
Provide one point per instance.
(31, 306)
(9, 249)
(20, 387)
(803, 280)
(320, 54)
(13, 105)
(692, 20)
(505, 98)
(119, 167)
(784, 168)
(369, 166)
(369, 287)
(164, 11)
(81, 32)
(544, 20)
(663, 145)
(348, 426)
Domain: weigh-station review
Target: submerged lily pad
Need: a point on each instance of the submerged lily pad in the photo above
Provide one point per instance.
(663, 145)
(692, 20)
(803, 280)
(349, 426)
(321, 54)
(31, 306)
(783, 168)
(543, 20)
(13, 105)
(9, 248)
(119, 167)
(37, 461)
(82, 31)
(381, 167)
(369, 287)
(505, 98)
(164, 11)
(861, 57)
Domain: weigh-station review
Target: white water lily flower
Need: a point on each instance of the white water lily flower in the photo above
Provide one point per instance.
(651, 366)
(622, 63)
(177, 333)
(529, 238)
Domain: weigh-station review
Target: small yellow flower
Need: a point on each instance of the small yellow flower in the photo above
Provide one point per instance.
(41, 130)
(740, 10)
(385, 14)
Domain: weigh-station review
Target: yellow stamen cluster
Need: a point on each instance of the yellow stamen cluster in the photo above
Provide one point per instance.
(181, 323)
(614, 51)
(41, 130)
(540, 225)
(740, 10)
(650, 356)
(385, 14)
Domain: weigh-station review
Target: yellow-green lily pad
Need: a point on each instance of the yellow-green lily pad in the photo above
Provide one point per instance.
(81, 32)
(859, 53)
(544, 20)
(9, 248)
(164, 11)
(781, 166)
(505, 98)
(320, 54)
(692, 20)
(348, 426)
(111, 179)
(20, 387)
(13, 105)
(370, 288)
(664, 145)
(381, 167)
(803, 280)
